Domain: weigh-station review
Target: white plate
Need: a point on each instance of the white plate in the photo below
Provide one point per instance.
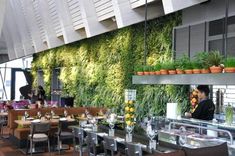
(36, 121)
(63, 119)
(119, 139)
(102, 134)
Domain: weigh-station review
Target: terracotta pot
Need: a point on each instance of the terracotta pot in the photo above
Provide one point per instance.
(164, 72)
(140, 73)
(179, 71)
(229, 70)
(172, 72)
(157, 72)
(151, 73)
(205, 71)
(196, 71)
(215, 69)
(188, 71)
(146, 73)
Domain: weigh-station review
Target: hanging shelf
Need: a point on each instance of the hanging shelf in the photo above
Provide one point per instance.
(186, 79)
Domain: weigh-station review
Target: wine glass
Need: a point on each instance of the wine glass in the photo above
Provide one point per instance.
(129, 129)
(111, 120)
(39, 114)
(182, 137)
(65, 113)
(52, 113)
(26, 114)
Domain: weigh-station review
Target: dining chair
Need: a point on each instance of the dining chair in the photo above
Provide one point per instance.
(3, 123)
(39, 132)
(78, 134)
(94, 148)
(110, 144)
(133, 149)
(64, 133)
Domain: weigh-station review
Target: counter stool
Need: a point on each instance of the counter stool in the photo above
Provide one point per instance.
(78, 133)
(110, 144)
(94, 148)
(133, 149)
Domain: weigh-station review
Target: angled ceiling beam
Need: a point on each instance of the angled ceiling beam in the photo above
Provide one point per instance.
(2, 13)
(175, 5)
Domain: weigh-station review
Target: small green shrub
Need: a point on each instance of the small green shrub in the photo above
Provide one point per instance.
(157, 67)
(168, 66)
(229, 62)
(202, 58)
(215, 58)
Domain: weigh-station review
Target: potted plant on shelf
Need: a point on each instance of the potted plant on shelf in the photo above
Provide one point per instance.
(215, 61)
(146, 70)
(157, 69)
(229, 65)
(196, 67)
(139, 71)
(151, 70)
(171, 68)
(202, 58)
(164, 68)
(180, 64)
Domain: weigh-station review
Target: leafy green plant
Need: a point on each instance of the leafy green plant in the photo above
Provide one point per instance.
(139, 68)
(215, 58)
(184, 63)
(229, 62)
(157, 67)
(202, 58)
(168, 65)
(147, 68)
(196, 65)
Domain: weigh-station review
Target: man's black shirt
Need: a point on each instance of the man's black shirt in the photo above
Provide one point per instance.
(205, 110)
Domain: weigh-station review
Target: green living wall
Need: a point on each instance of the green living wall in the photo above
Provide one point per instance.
(97, 70)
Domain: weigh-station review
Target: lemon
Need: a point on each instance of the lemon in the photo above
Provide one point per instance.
(127, 116)
(128, 123)
(130, 102)
(127, 109)
(133, 116)
(132, 109)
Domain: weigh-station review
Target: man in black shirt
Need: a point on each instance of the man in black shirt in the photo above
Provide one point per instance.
(205, 109)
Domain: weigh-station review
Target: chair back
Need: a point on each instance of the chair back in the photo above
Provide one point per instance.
(40, 128)
(133, 150)
(92, 141)
(79, 133)
(64, 126)
(110, 143)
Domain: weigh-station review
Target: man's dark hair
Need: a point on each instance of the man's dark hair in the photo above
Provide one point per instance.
(204, 89)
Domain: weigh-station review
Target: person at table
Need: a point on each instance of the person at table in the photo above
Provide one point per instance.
(41, 94)
(205, 109)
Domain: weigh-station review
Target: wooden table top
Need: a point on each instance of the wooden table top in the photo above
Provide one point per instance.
(28, 122)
